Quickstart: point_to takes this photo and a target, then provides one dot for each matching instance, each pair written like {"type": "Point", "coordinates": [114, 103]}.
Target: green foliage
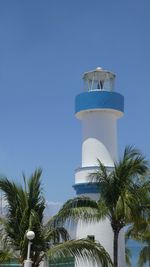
{"type": "Point", "coordinates": [25, 207]}
{"type": "Point", "coordinates": [25, 211]}
{"type": "Point", "coordinates": [141, 232]}
{"type": "Point", "coordinates": [128, 256]}
{"type": "Point", "coordinates": [123, 192]}
{"type": "Point", "coordinates": [74, 209]}
{"type": "Point", "coordinates": [82, 249]}
{"type": "Point", "coordinates": [5, 256]}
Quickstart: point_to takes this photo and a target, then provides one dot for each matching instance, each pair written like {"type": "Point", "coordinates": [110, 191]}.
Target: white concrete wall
{"type": "Point", "coordinates": [82, 175]}
{"type": "Point", "coordinates": [103, 233]}
{"type": "Point", "coordinates": [99, 138]}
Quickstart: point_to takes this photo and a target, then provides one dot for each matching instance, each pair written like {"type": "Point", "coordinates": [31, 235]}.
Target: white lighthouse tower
{"type": "Point", "coordinates": [99, 108]}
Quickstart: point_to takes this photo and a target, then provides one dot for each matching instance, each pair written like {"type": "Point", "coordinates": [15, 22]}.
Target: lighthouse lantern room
{"type": "Point", "coordinates": [99, 79]}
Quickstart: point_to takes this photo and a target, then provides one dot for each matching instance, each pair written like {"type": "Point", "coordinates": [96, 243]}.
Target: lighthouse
{"type": "Point", "coordinates": [98, 108]}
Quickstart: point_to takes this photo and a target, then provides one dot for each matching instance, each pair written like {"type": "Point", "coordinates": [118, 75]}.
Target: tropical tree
{"type": "Point", "coordinates": [128, 256]}
{"type": "Point", "coordinates": [141, 233]}
{"type": "Point", "coordinates": [25, 210]}
{"type": "Point", "coordinates": [144, 256]}
{"type": "Point", "coordinates": [121, 195]}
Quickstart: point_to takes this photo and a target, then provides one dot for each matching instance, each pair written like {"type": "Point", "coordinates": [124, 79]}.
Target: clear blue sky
{"type": "Point", "coordinates": [45, 46]}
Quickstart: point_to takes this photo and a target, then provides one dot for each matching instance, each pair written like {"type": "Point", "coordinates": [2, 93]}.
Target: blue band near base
{"type": "Point", "coordinates": [85, 188]}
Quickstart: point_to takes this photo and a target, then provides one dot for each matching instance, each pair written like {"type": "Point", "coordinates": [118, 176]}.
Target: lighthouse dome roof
{"type": "Point", "coordinates": [98, 74]}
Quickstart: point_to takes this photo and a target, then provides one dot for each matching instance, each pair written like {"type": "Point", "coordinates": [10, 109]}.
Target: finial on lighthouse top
{"type": "Point", "coordinates": [99, 79]}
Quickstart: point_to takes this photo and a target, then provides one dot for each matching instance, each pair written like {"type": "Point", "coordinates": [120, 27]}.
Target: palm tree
{"type": "Point", "coordinates": [141, 233]}
{"type": "Point", "coordinates": [144, 256]}
{"type": "Point", "coordinates": [25, 209]}
{"type": "Point", "coordinates": [121, 193]}
{"type": "Point", "coordinates": [128, 256]}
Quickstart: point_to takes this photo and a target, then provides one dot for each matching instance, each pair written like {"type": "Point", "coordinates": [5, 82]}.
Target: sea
{"type": "Point", "coordinates": [135, 248]}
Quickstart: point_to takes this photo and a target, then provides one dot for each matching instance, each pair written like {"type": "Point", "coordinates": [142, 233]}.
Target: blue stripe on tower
{"type": "Point", "coordinates": [85, 188]}
{"type": "Point", "coordinates": [99, 100]}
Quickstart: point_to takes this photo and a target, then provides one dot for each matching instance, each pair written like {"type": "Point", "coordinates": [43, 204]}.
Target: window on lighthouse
{"type": "Point", "coordinates": [91, 237]}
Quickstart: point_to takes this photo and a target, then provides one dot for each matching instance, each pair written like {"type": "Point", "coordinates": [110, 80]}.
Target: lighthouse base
{"type": "Point", "coordinates": [98, 231]}
{"type": "Point", "coordinates": [101, 232]}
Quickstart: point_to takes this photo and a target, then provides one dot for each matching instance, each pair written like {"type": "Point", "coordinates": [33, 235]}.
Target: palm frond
{"type": "Point", "coordinates": [132, 164]}
{"type": "Point", "coordinates": [35, 199]}
{"type": "Point", "coordinates": [103, 211]}
{"type": "Point", "coordinates": [54, 234]}
{"type": "Point", "coordinates": [100, 175]}
{"type": "Point", "coordinates": [82, 249]}
{"type": "Point", "coordinates": [144, 256]}
{"type": "Point", "coordinates": [5, 256]}
{"type": "Point", "coordinates": [128, 256]}
{"type": "Point", "coordinates": [74, 209]}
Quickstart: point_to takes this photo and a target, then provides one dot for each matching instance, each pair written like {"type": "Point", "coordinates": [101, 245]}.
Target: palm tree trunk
{"type": "Point", "coordinates": [115, 248]}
